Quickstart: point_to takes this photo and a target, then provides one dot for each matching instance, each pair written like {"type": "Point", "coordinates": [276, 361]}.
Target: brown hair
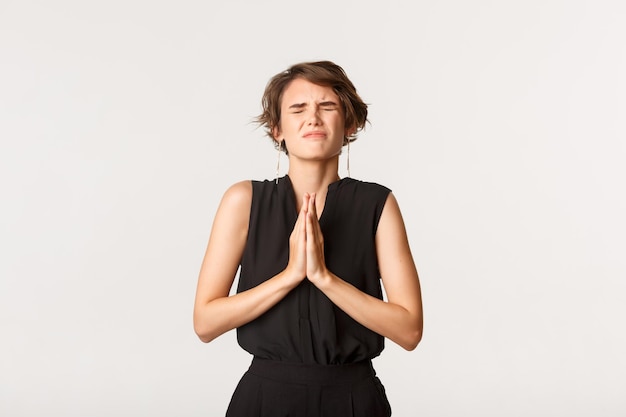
{"type": "Point", "coordinates": [324, 73]}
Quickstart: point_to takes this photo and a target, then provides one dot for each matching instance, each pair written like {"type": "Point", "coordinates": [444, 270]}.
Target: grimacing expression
{"type": "Point", "coordinates": [312, 121]}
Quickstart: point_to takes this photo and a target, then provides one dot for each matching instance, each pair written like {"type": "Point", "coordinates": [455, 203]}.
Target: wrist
{"type": "Point", "coordinates": [323, 279]}
{"type": "Point", "coordinates": [291, 278]}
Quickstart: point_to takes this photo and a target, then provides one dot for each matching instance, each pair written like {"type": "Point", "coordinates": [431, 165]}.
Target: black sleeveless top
{"type": "Point", "coordinates": [305, 326]}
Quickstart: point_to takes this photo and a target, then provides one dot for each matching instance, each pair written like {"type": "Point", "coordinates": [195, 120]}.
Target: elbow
{"type": "Point", "coordinates": [204, 336]}
{"type": "Point", "coordinates": [202, 331]}
{"type": "Point", "coordinates": [414, 335]}
{"type": "Point", "coordinates": [207, 326]}
{"type": "Point", "coordinates": [413, 339]}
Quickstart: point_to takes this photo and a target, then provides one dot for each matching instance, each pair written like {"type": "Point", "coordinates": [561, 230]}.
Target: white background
{"type": "Point", "coordinates": [499, 125]}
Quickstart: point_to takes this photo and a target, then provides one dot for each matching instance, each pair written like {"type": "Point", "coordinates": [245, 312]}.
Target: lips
{"type": "Point", "coordinates": [315, 134]}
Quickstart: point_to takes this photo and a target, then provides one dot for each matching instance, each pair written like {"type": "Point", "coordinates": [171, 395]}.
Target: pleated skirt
{"type": "Point", "coordinates": [277, 389]}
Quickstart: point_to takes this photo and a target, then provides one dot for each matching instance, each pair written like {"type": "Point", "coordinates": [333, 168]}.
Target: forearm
{"type": "Point", "coordinates": [392, 321]}
{"type": "Point", "coordinates": [222, 314]}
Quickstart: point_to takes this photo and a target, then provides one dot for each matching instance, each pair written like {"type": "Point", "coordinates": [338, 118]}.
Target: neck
{"type": "Point", "coordinates": [312, 177]}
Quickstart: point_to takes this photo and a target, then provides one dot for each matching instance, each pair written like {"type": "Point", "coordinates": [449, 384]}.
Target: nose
{"type": "Point", "coordinates": [314, 117]}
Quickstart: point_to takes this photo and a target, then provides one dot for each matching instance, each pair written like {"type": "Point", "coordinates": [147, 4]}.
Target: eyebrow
{"type": "Point", "coordinates": [303, 105]}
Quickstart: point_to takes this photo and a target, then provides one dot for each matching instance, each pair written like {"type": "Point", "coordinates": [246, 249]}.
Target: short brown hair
{"type": "Point", "coordinates": [324, 73]}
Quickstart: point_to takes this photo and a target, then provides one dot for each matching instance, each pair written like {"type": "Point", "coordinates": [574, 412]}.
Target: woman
{"type": "Point", "coordinates": [312, 249]}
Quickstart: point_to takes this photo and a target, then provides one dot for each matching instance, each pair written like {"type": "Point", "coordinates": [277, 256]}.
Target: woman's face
{"type": "Point", "coordinates": [312, 121]}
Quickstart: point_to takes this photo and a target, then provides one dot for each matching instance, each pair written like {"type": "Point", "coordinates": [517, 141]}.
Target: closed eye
{"type": "Point", "coordinates": [297, 108]}
{"type": "Point", "coordinates": [325, 106]}
{"type": "Point", "coordinates": [328, 106]}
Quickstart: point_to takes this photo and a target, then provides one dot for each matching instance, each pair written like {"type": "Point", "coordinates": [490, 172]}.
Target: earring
{"type": "Point", "coordinates": [348, 158]}
{"type": "Point", "coordinates": [279, 147]}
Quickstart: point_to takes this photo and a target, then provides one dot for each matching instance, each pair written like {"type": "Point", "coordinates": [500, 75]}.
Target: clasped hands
{"type": "Point", "coordinates": [306, 245]}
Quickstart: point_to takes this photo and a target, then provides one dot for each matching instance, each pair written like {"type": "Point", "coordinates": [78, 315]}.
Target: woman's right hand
{"type": "Point", "coordinates": [296, 268]}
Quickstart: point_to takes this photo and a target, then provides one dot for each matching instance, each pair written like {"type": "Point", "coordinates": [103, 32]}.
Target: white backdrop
{"type": "Point", "coordinates": [500, 127]}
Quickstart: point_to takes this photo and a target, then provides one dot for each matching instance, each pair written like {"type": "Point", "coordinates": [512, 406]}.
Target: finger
{"type": "Point", "coordinates": [301, 222]}
{"type": "Point", "coordinates": [312, 243]}
{"type": "Point", "coordinates": [312, 206]}
{"type": "Point", "coordinates": [313, 230]}
{"type": "Point", "coordinates": [299, 229]}
{"type": "Point", "coordinates": [304, 207]}
{"type": "Point", "coordinates": [305, 202]}
{"type": "Point", "coordinates": [314, 217]}
{"type": "Point", "coordinates": [309, 221]}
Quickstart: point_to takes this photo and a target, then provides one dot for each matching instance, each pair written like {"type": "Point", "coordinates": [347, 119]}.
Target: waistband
{"type": "Point", "coordinates": [294, 373]}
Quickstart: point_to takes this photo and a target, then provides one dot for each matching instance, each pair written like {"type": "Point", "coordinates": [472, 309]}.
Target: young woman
{"type": "Point", "coordinates": [313, 249]}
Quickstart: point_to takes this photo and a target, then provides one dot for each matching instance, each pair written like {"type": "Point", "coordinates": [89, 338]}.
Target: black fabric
{"type": "Point", "coordinates": [306, 327]}
{"type": "Point", "coordinates": [279, 389]}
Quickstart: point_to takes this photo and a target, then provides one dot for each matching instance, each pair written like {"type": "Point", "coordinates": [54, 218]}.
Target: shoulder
{"type": "Point", "coordinates": [238, 195]}
{"type": "Point", "coordinates": [367, 186]}
{"type": "Point", "coordinates": [363, 201]}
{"type": "Point", "coordinates": [234, 209]}
{"type": "Point", "coordinates": [368, 191]}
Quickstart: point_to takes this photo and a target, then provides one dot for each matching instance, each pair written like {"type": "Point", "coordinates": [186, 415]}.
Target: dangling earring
{"type": "Point", "coordinates": [348, 158]}
{"type": "Point", "coordinates": [280, 146]}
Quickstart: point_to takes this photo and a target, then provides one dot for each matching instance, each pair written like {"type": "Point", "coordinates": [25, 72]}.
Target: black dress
{"type": "Point", "coordinates": [306, 343]}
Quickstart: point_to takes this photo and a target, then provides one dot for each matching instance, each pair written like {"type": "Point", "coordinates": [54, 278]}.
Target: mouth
{"type": "Point", "coordinates": [316, 134]}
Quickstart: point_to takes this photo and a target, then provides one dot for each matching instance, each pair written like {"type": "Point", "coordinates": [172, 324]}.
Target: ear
{"type": "Point", "coordinates": [276, 134]}
{"type": "Point", "coordinates": [349, 131]}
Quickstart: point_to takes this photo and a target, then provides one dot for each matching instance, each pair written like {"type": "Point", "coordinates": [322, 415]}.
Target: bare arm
{"type": "Point", "coordinates": [399, 318]}
{"type": "Point", "coordinates": [215, 312]}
